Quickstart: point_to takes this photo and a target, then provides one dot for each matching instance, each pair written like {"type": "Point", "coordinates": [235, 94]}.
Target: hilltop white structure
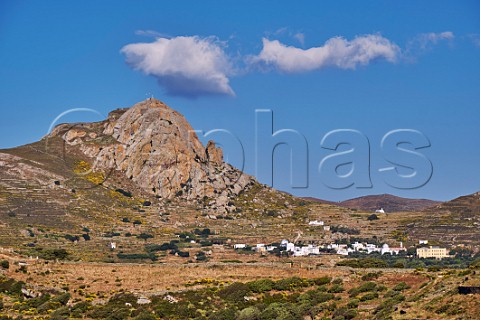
{"type": "Point", "coordinates": [381, 210]}
{"type": "Point", "coordinates": [316, 223]}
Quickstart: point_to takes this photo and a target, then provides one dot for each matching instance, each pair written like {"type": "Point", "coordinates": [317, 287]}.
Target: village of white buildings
{"type": "Point", "coordinates": [423, 250]}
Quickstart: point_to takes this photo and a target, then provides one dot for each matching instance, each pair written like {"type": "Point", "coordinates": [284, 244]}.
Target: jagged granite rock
{"type": "Point", "coordinates": [155, 147]}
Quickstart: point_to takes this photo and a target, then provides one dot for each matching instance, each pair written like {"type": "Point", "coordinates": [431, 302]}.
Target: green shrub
{"type": "Point", "coordinates": [369, 296]}
{"type": "Point", "coordinates": [250, 313]}
{"type": "Point", "coordinates": [363, 263]}
{"type": "Point", "coordinates": [475, 264]}
{"type": "Point", "coordinates": [386, 308]}
{"type": "Point", "coordinates": [145, 236]}
{"type": "Point", "coordinates": [336, 288]}
{"type": "Point", "coordinates": [53, 254]}
{"type": "Point", "coordinates": [62, 313]}
{"type": "Point", "coordinates": [225, 314]}
{"type": "Point", "coordinates": [79, 309]}
{"type": "Point", "coordinates": [366, 287]}
{"type": "Point", "coordinates": [321, 281]}
{"type": "Point", "coordinates": [352, 304]}
{"type": "Point", "coordinates": [371, 276]}
{"type": "Point", "coordinates": [316, 297]}
{"type": "Point", "coordinates": [62, 298]}
{"type": "Point", "coordinates": [262, 285]}
{"type": "Point", "coordinates": [280, 311]}
{"type": "Point", "coordinates": [401, 286]}
{"type": "Point", "coordinates": [344, 313]}
{"type": "Point", "coordinates": [234, 292]}
{"type": "Point", "coordinates": [10, 286]}
{"type": "Point", "coordinates": [291, 283]}
{"type": "Point", "coordinates": [5, 264]}
{"type": "Point", "coordinates": [71, 238]}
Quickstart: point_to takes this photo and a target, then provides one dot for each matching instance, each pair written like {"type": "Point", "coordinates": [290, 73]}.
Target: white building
{"type": "Point", "coordinates": [372, 248]}
{"type": "Point", "coordinates": [385, 249]}
{"type": "Point", "coordinates": [380, 210]}
{"type": "Point", "coordinates": [422, 241]}
{"type": "Point", "coordinates": [358, 246]}
{"type": "Point", "coordinates": [316, 223]}
{"type": "Point", "coordinates": [290, 247]}
{"type": "Point", "coordinates": [393, 250]}
{"type": "Point", "coordinates": [239, 246]}
{"type": "Point", "coordinates": [306, 251]}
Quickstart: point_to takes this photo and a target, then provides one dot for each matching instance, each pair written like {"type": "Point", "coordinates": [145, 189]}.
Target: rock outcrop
{"type": "Point", "coordinates": [156, 148]}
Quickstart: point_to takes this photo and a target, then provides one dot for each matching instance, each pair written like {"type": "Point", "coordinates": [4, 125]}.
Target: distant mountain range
{"type": "Point", "coordinates": [388, 202]}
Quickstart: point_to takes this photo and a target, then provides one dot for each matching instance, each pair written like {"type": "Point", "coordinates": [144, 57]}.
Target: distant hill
{"type": "Point", "coordinates": [454, 222]}
{"type": "Point", "coordinates": [388, 202]}
{"type": "Point", "coordinates": [467, 205]}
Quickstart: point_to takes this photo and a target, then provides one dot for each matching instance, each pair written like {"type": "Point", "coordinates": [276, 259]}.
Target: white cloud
{"type": "Point", "coordinates": [185, 66]}
{"type": "Point", "coordinates": [425, 40]}
{"type": "Point", "coordinates": [336, 52]}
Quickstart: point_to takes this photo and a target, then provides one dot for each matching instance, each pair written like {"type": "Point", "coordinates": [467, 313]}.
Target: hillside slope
{"type": "Point", "coordinates": [454, 222]}
{"type": "Point", "coordinates": [388, 202]}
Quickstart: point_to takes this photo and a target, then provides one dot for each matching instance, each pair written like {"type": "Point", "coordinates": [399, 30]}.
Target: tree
{"type": "Point", "coordinates": [144, 236]}
{"type": "Point", "coordinates": [372, 217]}
{"type": "Point", "coordinates": [5, 264]}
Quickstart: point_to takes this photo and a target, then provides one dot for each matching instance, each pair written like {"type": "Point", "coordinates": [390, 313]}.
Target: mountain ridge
{"type": "Point", "coordinates": [388, 202]}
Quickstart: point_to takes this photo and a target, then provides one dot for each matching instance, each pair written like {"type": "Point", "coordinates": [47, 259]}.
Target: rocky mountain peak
{"type": "Point", "coordinates": [155, 147]}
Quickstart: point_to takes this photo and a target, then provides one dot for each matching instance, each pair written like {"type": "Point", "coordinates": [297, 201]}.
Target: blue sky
{"type": "Point", "coordinates": [369, 66]}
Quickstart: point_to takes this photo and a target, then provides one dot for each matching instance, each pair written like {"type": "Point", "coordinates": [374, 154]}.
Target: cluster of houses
{"type": "Point", "coordinates": [345, 250]}
{"type": "Point", "coordinates": [308, 250]}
